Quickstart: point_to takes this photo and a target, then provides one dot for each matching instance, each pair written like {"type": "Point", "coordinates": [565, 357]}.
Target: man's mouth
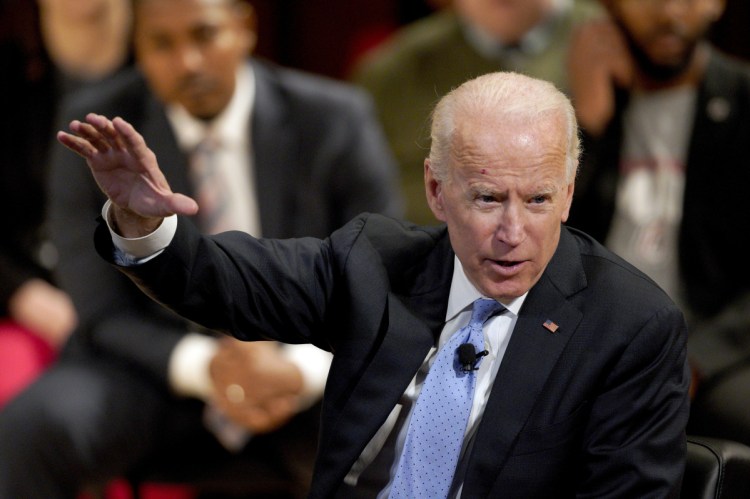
{"type": "Point", "coordinates": [506, 263]}
{"type": "Point", "coordinates": [507, 266]}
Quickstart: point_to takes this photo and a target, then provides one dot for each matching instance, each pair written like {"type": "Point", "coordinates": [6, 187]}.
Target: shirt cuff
{"type": "Point", "coordinates": [141, 249]}
{"type": "Point", "coordinates": [189, 364]}
{"type": "Point", "coordinates": [314, 364]}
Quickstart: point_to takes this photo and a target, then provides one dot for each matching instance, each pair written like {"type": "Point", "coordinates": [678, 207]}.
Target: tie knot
{"type": "Point", "coordinates": [482, 310]}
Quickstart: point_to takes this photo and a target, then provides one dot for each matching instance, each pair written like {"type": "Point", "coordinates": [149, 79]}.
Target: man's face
{"type": "Point", "coordinates": [503, 201]}
{"type": "Point", "coordinates": [190, 50]}
{"type": "Point", "coordinates": [508, 20]}
{"type": "Point", "coordinates": [663, 34]}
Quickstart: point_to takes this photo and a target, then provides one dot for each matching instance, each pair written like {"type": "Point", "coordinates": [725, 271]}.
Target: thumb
{"type": "Point", "coordinates": [182, 205]}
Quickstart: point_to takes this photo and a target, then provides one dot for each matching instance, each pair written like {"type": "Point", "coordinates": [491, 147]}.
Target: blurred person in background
{"type": "Point", "coordinates": [425, 60]}
{"type": "Point", "coordinates": [282, 153]}
{"type": "Point", "coordinates": [48, 50]}
{"type": "Point", "coordinates": [666, 121]}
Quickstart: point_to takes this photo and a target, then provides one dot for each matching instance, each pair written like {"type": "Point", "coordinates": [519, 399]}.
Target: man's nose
{"type": "Point", "coordinates": [190, 58]}
{"type": "Point", "coordinates": [511, 226]}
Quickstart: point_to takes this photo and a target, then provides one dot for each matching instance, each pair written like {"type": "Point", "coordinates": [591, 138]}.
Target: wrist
{"type": "Point", "coordinates": [129, 224]}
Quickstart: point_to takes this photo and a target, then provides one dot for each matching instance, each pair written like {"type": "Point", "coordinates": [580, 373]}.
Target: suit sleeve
{"type": "Point", "coordinates": [242, 286]}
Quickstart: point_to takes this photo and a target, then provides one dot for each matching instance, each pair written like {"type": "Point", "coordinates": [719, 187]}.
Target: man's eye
{"type": "Point", "coordinates": [486, 198]}
{"type": "Point", "coordinates": [539, 199]}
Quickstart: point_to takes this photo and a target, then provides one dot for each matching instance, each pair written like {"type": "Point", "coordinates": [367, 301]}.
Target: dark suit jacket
{"type": "Point", "coordinates": [597, 408]}
{"type": "Point", "coordinates": [319, 159]}
{"type": "Point", "coordinates": [714, 266]}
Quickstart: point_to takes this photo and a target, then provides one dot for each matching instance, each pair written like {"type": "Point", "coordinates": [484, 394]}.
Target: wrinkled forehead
{"type": "Point", "coordinates": [499, 132]}
{"type": "Point", "coordinates": [515, 143]}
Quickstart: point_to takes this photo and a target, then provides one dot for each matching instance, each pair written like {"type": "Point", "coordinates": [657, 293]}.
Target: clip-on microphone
{"type": "Point", "coordinates": [468, 357]}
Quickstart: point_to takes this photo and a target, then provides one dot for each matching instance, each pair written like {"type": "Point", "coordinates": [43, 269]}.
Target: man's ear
{"type": "Point", "coordinates": [434, 190]}
{"type": "Point", "coordinates": [568, 201]}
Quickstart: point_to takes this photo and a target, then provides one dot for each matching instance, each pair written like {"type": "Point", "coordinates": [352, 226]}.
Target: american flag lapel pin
{"type": "Point", "coordinates": [550, 326]}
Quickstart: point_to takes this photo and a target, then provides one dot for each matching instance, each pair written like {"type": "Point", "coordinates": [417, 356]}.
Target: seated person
{"type": "Point", "coordinates": [578, 360]}
{"type": "Point", "coordinates": [48, 50]}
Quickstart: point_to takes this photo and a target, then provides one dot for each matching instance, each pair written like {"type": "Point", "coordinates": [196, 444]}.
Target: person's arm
{"type": "Point", "coordinates": [598, 62]}
{"type": "Point", "coordinates": [126, 171]}
{"type": "Point", "coordinates": [115, 318]}
{"type": "Point", "coordinates": [216, 281]}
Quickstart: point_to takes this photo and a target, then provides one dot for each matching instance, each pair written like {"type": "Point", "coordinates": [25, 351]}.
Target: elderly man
{"type": "Point", "coordinates": [502, 353]}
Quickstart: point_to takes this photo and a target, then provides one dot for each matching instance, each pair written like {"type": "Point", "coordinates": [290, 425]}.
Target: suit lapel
{"type": "Point", "coordinates": [532, 353]}
{"type": "Point", "coordinates": [414, 319]}
{"type": "Point", "coordinates": [273, 141]}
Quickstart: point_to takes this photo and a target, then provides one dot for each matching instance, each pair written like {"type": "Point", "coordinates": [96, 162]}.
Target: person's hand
{"type": "Point", "coordinates": [599, 61]}
{"type": "Point", "coordinates": [126, 170]}
{"type": "Point", "coordinates": [254, 385]}
{"type": "Point", "coordinates": [43, 309]}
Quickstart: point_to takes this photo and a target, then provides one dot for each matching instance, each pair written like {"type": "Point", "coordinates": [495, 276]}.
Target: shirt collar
{"type": "Point", "coordinates": [463, 293]}
{"type": "Point", "coordinates": [231, 126]}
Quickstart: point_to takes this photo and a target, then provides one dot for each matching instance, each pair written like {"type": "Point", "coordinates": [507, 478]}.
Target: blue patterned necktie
{"type": "Point", "coordinates": [436, 430]}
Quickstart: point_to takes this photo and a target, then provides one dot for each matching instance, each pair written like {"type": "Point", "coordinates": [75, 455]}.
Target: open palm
{"type": "Point", "coordinates": [123, 166]}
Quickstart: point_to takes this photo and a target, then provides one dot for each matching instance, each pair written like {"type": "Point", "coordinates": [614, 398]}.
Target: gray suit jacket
{"type": "Point", "coordinates": [597, 408]}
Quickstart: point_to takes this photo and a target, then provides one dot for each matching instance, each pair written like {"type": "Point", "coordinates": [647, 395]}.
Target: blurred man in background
{"type": "Point", "coordinates": [666, 120]}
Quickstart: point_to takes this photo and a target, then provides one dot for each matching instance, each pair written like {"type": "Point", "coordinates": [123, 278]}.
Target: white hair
{"type": "Point", "coordinates": [501, 95]}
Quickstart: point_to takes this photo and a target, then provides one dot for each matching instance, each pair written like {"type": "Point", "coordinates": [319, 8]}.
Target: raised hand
{"type": "Point", "coordinates": [127, 171]}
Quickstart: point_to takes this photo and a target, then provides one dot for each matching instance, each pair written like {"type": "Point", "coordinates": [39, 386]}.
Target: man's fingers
{"type": "Point", "coordinates": [94, 136]}
{"type": "Point", "coordinates": [76, 144]}
{"type": "Point", "coordinates": [86, 132]}
{"type": "Point", "coordinates": [106, 129]}
{"type": "Point", "coordinates": [132, 139]}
